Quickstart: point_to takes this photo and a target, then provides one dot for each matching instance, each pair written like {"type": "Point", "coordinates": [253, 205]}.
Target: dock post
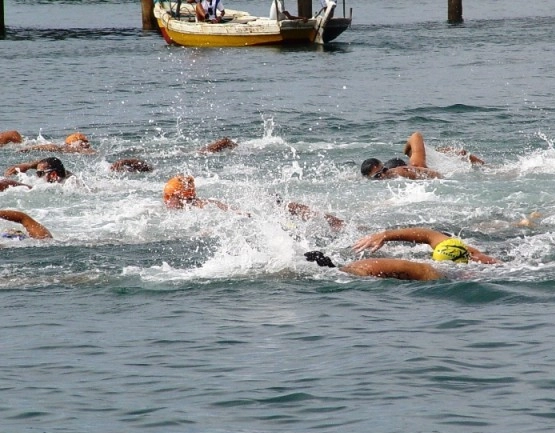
{"type": "Point", "coordinates": [305, 8]}
{"type": "Point", "coordinates": [454, 11]}
{"type": "Point", "coordinates": [149, 22]}
{"type": "Point", "coordinates": [2, 23]}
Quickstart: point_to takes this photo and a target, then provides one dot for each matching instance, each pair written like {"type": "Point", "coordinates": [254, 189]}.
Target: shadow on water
{"type": "Point", "coordinates": [33, 34]}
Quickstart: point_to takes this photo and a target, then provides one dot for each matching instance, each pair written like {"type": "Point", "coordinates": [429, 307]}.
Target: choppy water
{"type": "Point", "coordinates": [135, 318]}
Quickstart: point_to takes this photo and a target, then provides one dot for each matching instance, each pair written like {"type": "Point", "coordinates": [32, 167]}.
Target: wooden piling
{"type": "Point", "coordinates": [2, 22]}
{"type": "Point", "coordinates": [149, 22]}
{"type": "Point", "coordinates": [305, 8]}
{"type": "Point", "coordinates": [454, 11]}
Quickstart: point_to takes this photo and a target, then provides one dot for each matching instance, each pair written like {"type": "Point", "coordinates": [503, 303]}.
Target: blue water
{"type": "Point", "coordinates": [135, 318]}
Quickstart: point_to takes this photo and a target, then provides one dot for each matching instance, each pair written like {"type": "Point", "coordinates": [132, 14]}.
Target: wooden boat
{"type": "Point", "coordinates": [240, 29]}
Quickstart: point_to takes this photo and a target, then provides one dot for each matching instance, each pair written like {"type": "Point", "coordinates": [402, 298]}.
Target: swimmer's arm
{"type": "Point", "coordinates": [43, 148]}
{"type": "Point", "coordinates": [419, 235]}
{"type": "Point", "coordinates": [225, 207]}
{"type": "Point", "coordinates": [416, 150]}
{"type": "Point", "coordinates": [334, 222]}
{"type": "Point", "coordinates": [21, 168]}
{"type": "Point", "coordinates": [70, 149]}
{"type": "Point", "coordinates": [461, 152]}
{"type": "Point", "coordinates": [34, 228]}
{"type": "Point", "coordinates": [6, 183]}
{"type": "Point", "coordinates": [478, 256]}
{"type": "Point", "coordinates": [306, 213]}
{"type": "Point", "coordinates": [301, 210]}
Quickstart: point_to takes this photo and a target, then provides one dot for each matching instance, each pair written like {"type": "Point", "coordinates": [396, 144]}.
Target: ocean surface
{"type": "Point", "coordinates": [135, 318]}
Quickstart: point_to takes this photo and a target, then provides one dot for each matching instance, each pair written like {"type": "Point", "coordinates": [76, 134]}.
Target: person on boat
{"type": "Point", "coordinates": [52, 169]}
{"type": "Point", "coordinates": [74, 143]}
{"type": "Point", "coordinates": [206, 11]}
{"type": "Point", "coordinates": [326, 3]}
{"type": "Point", "coordinates": [34, 229]}
{"type": "Point", "coordinates": [444, 248]}
{"type": "Point", "coordinates": [7, 137]}
{"type": "Point", "coordinates": [131, 165]}
{"type": "Point", "coordinates": [416, 168]}
{"type": "Point", "coordinates": [180, 192]}
{"type": "Point", "coordinates": [281, 14]}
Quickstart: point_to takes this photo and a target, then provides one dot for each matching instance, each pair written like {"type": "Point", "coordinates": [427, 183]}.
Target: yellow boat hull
{"type": "Point", "coordinates": [241, 30]}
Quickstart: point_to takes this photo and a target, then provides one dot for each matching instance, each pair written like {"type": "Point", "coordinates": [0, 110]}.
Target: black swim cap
{"type": "Point", "coordinates": [56, 165]}
{"type": "Point", "coordinates": [394, 162]}
{"type": "Point", "coordinates": [368, 165]}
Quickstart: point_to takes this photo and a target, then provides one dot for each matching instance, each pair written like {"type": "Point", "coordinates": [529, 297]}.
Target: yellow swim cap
{"type": "Point", "coordinates": [451, 249]}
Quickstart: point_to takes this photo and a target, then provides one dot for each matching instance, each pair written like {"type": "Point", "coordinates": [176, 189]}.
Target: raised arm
{"type": "Point", "coordinates": [419, 235]}
{"type": "Point", "coordinates": [416, 150]}
{"type": "Point", "coordinates": [21, 168]}
{"type": "Point", "coordinates": [34, 228]}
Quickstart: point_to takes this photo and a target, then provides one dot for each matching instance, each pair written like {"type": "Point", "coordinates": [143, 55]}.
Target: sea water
{"type": "Point", "coordinates": [136, 318]}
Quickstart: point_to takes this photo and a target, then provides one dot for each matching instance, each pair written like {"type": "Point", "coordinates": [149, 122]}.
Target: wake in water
{"type": "Point", "coordinates": [99, 207]}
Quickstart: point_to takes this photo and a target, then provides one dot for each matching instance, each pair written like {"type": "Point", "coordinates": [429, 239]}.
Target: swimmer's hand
{"type": "Point", "coordinates": [374, 242]}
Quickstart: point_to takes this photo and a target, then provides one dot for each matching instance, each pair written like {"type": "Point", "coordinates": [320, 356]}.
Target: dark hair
{"type": "Point", "coordinates": [56, 165]}
{"type": "Point", "coordinates": [368, 165]}
{"type": "Point", "coordinates": [394, 162]}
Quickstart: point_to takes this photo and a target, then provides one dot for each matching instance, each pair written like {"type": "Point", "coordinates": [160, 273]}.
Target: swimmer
{"type": "Point", "coordinates": [51, 169]}
{"type": "Point", "coordinates": [180, 191]}
{"type": "Point", "coordinates": [443, 248]}
{"type": "Point", "coordinates": [7, 137]}
{"type": "Point", "coordinates": [74, 143]}
{"type": "Point", "coordinates": [218, 146]}
{"type": "Point", "coordinates": [530, 220]}
{"type": "Point", "coordinates": [34, 229]}
{"type": "Point", "coordinates": [131, 165]}
{"type": "Point", "coordinates": [416, 168]}
{"type": "Point", "coordinates": [303, 211]}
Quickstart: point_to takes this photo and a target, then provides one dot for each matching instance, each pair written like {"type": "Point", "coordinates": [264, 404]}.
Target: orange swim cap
{"type": "Point", "coordinates": [76, 138]}
{"type": "Point", "coordinates": [182, 187]}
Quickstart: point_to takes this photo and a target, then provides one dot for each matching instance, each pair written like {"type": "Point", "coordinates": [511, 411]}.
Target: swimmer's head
{"type": "Point", "coordinates": [394, 162]}
{"type": "Point", "coordinates": [179, 188]}
{"type": "Point", "coordinates": [52, 169]}
{"type": "Point", "coordinates": [14, 234]}
{"type": "Point", "coordinates": [77, 140]}
{"type": "Point", "coordinates": [451, 249]}
{"type": "Point", "coordinates": [370, 167]}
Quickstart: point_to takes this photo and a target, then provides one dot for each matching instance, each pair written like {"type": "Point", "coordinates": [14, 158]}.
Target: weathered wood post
{"type": "Point", "coordinates": [2, 23]}
{"type": "Point", "coordinates": [305, 8]}
{"type": "Point", "coordinates": [454, 11]}
{"type": "Point", "coordinates": [149, 22]}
